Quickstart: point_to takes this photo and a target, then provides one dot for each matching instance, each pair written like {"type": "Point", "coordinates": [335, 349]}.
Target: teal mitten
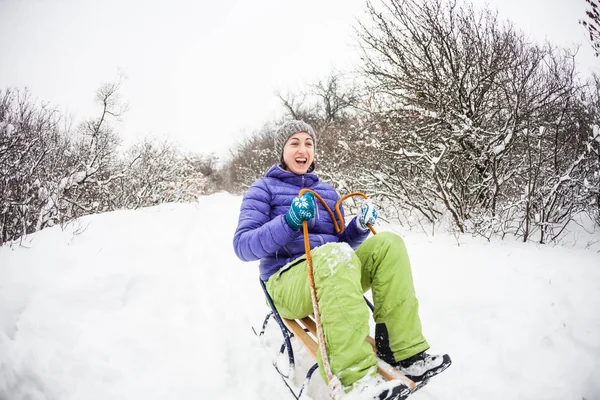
{"type": "Point", "coordinates": [302, 208]}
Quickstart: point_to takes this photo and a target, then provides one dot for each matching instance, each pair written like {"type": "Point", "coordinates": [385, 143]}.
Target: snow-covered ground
{"type": "Point", "coordinates": [153, 304]}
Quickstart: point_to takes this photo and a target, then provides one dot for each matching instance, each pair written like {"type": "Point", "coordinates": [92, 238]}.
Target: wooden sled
{"type": "Point", "coordinates": [305, 331]}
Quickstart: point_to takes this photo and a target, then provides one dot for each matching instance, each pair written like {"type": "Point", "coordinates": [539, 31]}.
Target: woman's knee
{"type": "Point", "coordinates": [335, 258]}
{"type": "Point", "coordinates": [388, 238]}
{"type": "Point", "coordinates": [384, 248]}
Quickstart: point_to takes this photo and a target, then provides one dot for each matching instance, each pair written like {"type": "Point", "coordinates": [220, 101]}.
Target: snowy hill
{"type": "Point", "coordinates": [153, 304]}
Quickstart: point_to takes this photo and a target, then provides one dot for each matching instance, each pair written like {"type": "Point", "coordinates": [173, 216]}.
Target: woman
{"type": "Point", "coordinates": [345, 266]}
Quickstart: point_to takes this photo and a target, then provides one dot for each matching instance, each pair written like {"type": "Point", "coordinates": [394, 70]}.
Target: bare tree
{"type": "Point", "coordinates": [439, 63]}
{"type": "Point", "coordinates": [29, 140]}
{"type": "Point", "coordinates": [84, 184]}
{"type": "Point", "coordinates": [297, 106]}
{"type": "Point", "coordinates": [151, 174]}
{"type": "Point", "coordinates": [461, 94]}
{"type": "Point", "coordinates": [593, 26]}
{"type": "Point", "coordinates": [335, 98]}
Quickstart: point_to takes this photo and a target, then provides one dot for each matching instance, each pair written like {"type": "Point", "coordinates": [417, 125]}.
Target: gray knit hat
{"type": "Point", "coordinates": [283, 133]}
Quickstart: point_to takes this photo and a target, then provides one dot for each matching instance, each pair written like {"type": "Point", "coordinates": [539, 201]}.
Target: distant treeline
{"type": "Point", "coordinates": [452, 114]}
{"type": "Point", "coordinates": [51, 174]}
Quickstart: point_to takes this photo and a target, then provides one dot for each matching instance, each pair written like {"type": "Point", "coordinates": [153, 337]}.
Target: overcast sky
{"type": "Point", "coordinates": [203, 73]}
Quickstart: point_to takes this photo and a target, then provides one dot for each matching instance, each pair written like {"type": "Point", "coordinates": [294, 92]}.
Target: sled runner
{"type": "Point", "coordinates": [286, 346]}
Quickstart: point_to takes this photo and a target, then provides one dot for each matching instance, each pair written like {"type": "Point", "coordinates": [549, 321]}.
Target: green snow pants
{"type": "Point", "coordinates": [342, 276]}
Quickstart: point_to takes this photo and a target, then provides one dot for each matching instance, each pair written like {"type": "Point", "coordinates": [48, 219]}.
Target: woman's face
{"type": "Point", "coordinates": [299, 153]}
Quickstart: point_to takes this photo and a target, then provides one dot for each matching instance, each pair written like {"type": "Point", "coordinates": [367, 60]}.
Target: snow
{"type": "Point", "coordinates": [8, 128]}
{"type": "Point", "coordinates": [153, 304]}
{"type": "Point", "coordinates": [335, 255]}
{"type": "Point", "coordinates": [502, 146]}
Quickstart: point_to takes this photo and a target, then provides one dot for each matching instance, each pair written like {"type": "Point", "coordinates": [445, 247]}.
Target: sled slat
{"type": "Point", "coordinates": [301, 334]}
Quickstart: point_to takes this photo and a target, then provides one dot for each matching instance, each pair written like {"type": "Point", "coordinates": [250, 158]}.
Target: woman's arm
{"type": "Point", "coordinates": [353, 235]}
{"type": "Point", "coordinates": [257, 235]}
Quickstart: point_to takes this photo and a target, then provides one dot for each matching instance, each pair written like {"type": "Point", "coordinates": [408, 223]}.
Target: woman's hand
{"type": "Point", "coordinates": [366, 215]}
{"type": "Point", "coordinates": [302, 208]}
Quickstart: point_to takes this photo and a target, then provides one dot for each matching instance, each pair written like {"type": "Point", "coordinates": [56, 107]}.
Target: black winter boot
{"type": "Point", "coordinates": [423, 366]}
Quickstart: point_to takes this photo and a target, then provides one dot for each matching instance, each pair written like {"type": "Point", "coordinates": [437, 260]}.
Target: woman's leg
{"type": "Point", "coordinates": [344, 314]}
{"type": "Point", "coordinates": [386, 270]}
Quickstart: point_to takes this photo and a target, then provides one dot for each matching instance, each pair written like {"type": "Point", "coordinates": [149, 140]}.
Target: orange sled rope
{"type": "Point", "coordinates": [334, 384]}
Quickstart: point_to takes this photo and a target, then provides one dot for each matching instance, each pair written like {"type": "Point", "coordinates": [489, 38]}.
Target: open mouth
{"type": "Point", "coordinates": [301, 161]}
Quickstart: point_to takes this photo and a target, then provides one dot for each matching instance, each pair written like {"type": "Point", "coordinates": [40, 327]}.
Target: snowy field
{"type": "Point", "coordinates": [153, 304]}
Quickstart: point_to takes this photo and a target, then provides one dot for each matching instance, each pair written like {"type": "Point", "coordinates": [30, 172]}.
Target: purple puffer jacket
{"type": "Point", "coordinates": [262, 233]}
